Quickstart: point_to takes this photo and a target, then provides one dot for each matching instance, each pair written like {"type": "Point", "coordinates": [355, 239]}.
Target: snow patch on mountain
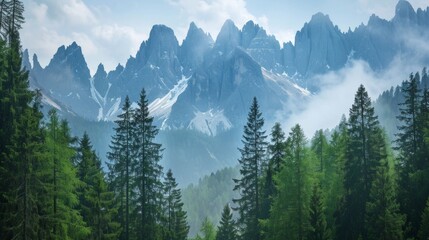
{"type": "Point", "coordinates": [210, 122]}
{"type": "Point", "coordinates": [48, 101]}
{"type": "Point", "coordinates": [284, 83]}
{"type": "Point", "coordinates": [160, 108]}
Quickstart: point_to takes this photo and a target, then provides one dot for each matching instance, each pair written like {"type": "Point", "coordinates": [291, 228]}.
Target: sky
{"type": "Point", "coordinates": [110, 31]}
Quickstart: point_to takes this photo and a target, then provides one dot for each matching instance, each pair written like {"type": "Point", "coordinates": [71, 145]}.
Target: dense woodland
{"type": "Point", "coordinates": [348, 184]}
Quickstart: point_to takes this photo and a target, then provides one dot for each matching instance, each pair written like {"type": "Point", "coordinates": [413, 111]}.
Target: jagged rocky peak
{"type": "Point", "coordinates": [36, 64]}
{"type": "Point", "coordinates": [26, 60]}
{"type": "Point", "coordinates": [289, 58]}
{"type": "Point", "coordinates": [228, 38]}
{"type": "Point", "coordinates": [73, 59]}
{"type": "Point", "coordinates": [100, 79]}
{"type": "Point", "coordinates": [113, 75]}
{"type": "Point", "coordinates": [249, 31]}
{"type": "Point", "coordinates": [319, 46]}
{"type": "Point", "coordinates": [162, 44]}
{"type": "Point", "coordinates": [264, 48]}
{"type": "Point", "coordinates": [404, 13]}
{"type": "Point", "coordinates": [194, 47]}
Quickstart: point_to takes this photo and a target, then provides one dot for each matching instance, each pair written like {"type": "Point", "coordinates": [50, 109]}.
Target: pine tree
{"type": "Point", "coordinates": [424, 224]}
{"type": "Point", "coordinates": [120, 167]}
{"type": "Point", "coordinates": [289, 213]}
{"type": "Point", "coordinates": [176, 227]}
{"type": "Point", "coordinates": [318, 228]}
{"type": "Point", "coordinates": [383, 219]}
{"type": "Point", "coordinates": [96, 203]}
{"type": "Point", "coordinates": [365, 149]}
{"type": "Point", "coordinates": [147, 171]}
{"type": "Point", "coordinates": [226, 229]}
{"type": "Point", "coordinates": [252, 156]}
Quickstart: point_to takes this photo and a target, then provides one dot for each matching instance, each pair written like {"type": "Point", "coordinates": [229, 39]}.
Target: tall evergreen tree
{"type": "Point", "coordinates": [147, 171]}
{"type": "Point", "coordinates": [318, 228]}
{"type": "Point", "coordinates": [412, 153]}
{"type": "Point", "coordinates": [319, 145]}
{"type": "Point", "coordinates": [252, 156]}
{"type": "Point", "coordinates": [21, 139]}
{"type": "Point", "coordinates": [334, 173]}
{"type": "Point", "coordinates": [96, 202]}
{"type": "Point", "coordinates": [19, 214]}
{"type": "Point", "coordinates": [62, 183]}
{"type": "Point", "coordinates": [276, 151]}
{"type": "Point", "coordinates": [365, 149]}
{"type": "Point", "coordinates": [176, 227]}
{"type": "Point", "coordinates": [289, 213]}
{"type": "Point", "coordinates": [383, 219]}
{"type": "Point", "coordinates": [226, 229]}
{"type": "Point", "coordinates": [277, 148]}
{"type": "Point", "coordinates": [120, 168]}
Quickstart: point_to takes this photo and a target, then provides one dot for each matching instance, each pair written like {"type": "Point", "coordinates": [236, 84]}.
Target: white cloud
{"type": "Point", "coordinates": [52, 23]}
{"type": "Point", "coordinates": [210, 15]}
{"type": "Point", "coordinates": [325, 109]}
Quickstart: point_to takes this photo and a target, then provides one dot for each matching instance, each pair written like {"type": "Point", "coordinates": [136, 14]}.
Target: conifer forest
{"type": "Point", "coordinates": [351, 182]}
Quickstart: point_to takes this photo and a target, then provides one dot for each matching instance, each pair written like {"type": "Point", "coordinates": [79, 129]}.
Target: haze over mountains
{"type": "Point", "coordinates": [203, 87]}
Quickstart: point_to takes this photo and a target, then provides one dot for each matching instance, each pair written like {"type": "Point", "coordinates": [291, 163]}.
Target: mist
{"type": "Point", "coordinates": [325, 108]}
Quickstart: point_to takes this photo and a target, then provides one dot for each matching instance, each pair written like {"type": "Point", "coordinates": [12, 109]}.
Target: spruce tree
{"type": "Point", "coordinates": [147, 171]}
{"type": "Point", "coordinates": [289, 213]}
{"type": "Point", "coordinates": [121, 177]}
{"type": "Point", "coordinates": [276, 151]}
{"type": "Point", "coordinates": [96, 202]}
{"type": "Point", "coordinates": [318, 228]}
{"type": "Point", "coordinates": [365, 149]}
{"type": "Point", "coordinates": [412, 153]}
{"type": "Point", "coordinates": [20, 217]}
{"type": "Point", "coordinates": [176, 227]}
{"type": "Point", "coordinates": [383, 219]}
{"type": "Point", "coordinates": [252, 156]}
{"type": "Point", "coordinates": [226, 229]}
{"type": "Point", "coordinates": [276, 148]}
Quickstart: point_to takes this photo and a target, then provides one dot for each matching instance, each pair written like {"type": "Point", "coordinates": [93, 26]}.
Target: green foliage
{"type": "Point", "coordinates": [318, 229]}
{"type": "Point", "coordinates": [412, 145]}
{"type": "Point", "coordinates": [383, 219]}
{"type": "Point", "coordinates": [147, 172]}
{"type": "Point", "coordinates": [208, 197]}
{"type": "Point", "coordinates": [252, 156]}
{"type": "Point", "coordinates": [62, 183]}
{"type": "Point", "coordinates": [226, 229]}
{"type": "Point", "coordinates": [120, 174]}
{"type": "Point", "coordinates": [319, 145]}
{"type": "Point", "coordinates": [96, 202]}
{"type": "Point", "coordinates": [290, 210]}
{"type": "Point", "coordinates": [365, 149]}
{"type": "Point", "coordinates": [207, 230]}
{"type": "Point", "coordinates": [175, 225]}
{"type": "Point", "coordinates": [424, 224]}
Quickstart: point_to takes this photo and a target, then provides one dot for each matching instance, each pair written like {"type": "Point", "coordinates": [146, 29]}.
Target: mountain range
{"type": "Point", "coordinates": [203, 87]}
